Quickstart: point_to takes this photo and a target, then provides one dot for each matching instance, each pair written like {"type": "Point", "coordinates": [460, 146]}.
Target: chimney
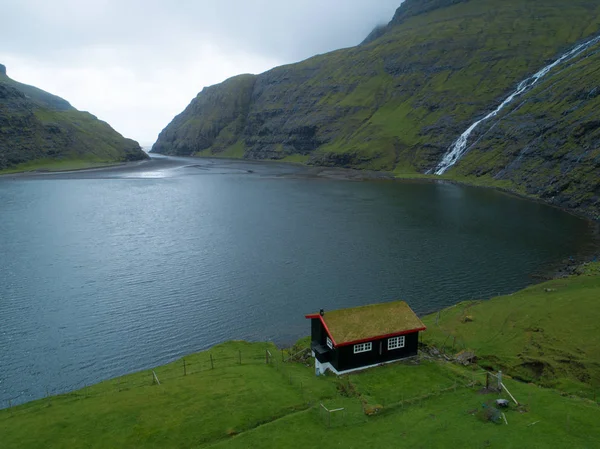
{"type": "Point", "coordinates": [322, 312]}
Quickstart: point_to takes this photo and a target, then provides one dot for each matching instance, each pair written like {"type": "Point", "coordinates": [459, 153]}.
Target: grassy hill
{"type": "Point", "coordinates": [399, 100]}
{"type": "Point", "coordinates": [41, 130]}
{"type": "Point", "coordinates": [245, 395]}
{"type": "Point", "coordinates": [545, 334]}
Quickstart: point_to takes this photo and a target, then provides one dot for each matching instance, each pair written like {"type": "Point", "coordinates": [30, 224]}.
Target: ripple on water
{"type": "Point", "coordinates": [109, 276]}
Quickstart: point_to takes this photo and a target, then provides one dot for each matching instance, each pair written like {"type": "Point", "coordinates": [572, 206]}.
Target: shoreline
{"type": "Point", "coordinates": [356, 174]}
{"type": "Point", "coordinates": [298, 170]}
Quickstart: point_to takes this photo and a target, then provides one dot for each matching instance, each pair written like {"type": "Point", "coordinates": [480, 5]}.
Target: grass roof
{"type": "Point", "coordinates": [359, 323]}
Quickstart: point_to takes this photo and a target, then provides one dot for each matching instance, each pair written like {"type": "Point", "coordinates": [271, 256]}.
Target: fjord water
{"type": "Point", "coordinates": [103, 273]}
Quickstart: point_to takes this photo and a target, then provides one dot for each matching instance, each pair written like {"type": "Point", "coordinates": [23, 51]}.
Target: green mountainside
{"type": "Point", "coordinates": [37, 128]}
{"type": "Point", "coordinates": [399, 100]}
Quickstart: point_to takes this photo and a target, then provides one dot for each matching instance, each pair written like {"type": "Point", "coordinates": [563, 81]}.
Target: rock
{"type": "Point", "coordinates": [465, 357]}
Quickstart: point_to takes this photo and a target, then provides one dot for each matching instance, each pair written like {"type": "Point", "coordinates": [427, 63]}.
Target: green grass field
{"type": "Point", "coordinates": [230, 396]}
{"type": "Point", "coordinates": [546, 333]}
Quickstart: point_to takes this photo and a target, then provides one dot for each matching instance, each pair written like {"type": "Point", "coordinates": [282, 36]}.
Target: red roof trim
{"type": "Point", "coordinates": [317, 315]}
{"type": "Point", "coordinates": [395, 334]}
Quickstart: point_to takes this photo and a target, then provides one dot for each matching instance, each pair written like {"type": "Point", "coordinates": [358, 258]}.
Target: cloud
{"type": "Point", "coordinates": [138, 63]}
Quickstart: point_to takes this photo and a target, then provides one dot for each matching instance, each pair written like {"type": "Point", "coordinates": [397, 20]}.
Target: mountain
{"type": "Point", "coordinates": [401, 99]}
{"type": "Point", "coordinates": [38, 126]}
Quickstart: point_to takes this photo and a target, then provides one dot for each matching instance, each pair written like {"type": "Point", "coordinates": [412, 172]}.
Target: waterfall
{"type": "Point", "coordinates": [459, 148]}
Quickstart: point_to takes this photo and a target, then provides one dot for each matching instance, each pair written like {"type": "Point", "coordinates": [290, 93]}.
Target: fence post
{"type": "Point", "coordinates": [267, 356]}
{"type": "Point", "coordinates": [184, 368]}
{"type": "Point", "coordinates": [500, 380]}
{"type": "Point", "coordinates": [212, 365]}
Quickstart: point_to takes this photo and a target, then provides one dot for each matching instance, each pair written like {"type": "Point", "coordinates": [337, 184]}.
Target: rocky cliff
{"type": "Point", "coordinates": [402, 97]}
{"type": "Point", "coordinates": [38, 126]}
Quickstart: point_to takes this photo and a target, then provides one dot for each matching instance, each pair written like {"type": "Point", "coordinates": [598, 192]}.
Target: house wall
{"type": "Point", "coordinates": [319, 337]}
{"type": "Point", "coordinates": [344, 357]}
{"type": "Point", "coordinates": [317, 333]}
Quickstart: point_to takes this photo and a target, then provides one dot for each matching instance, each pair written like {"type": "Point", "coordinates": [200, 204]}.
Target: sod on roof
{"type": "Point", "coordinates": [365, 322]}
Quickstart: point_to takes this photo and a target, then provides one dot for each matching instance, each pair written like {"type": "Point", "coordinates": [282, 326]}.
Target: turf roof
{"type": "Point", "coordinates": [360, 323]}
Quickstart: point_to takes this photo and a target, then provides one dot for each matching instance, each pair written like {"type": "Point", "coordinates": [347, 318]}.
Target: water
{"type": "Point", "coordinates": [104, 273]}
{"type": "Point", "coordinates": [459, 148]}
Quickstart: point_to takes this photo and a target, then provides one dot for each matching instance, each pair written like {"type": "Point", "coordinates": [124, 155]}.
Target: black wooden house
{"type": "Point", "coordinates": [361, 337]}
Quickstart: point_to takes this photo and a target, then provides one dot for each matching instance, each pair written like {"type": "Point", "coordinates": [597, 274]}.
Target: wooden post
{"type": "Point", "coordinates": [511, 396]}
{"type": "Point", "coordinates": [184, 368]}
{"type": "Point", "coordinates": [212, 365]}
{"type": "Point", "coordinates": [267, 356]}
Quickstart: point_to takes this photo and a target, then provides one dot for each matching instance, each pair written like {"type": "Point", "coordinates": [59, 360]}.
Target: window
{"type": "Point", "coordinates": [363, 347]}
{"type": "Point", "coordinates": [329, 343]}
{"type": "Point", "coordinates": [395, 342]}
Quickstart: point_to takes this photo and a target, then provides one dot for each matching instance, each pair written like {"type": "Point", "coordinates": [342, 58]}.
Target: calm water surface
{"type": "Point", "coordinates": [104, 273]}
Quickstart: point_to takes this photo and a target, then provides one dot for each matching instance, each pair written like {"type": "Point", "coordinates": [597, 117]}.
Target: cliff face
{"type": "Point", "coordinates": [400, 99]}
{"type": "Point", "coordinates": [35, 125]}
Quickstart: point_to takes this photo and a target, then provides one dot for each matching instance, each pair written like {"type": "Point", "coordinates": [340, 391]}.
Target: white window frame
{"type": "Point", "coordinates": [396, 342]}
{"type": "Point", "coordinates": [363, 347]}
{"type": "Point", "coordinates": [329, 343]}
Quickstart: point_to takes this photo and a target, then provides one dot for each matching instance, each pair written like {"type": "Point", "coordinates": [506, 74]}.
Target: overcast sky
{"type": "Point", "coordinates": [137, 63]}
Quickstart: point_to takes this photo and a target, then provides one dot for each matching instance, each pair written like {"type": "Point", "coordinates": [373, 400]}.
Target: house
{"type": "Point", "coordinates": [361, 337]}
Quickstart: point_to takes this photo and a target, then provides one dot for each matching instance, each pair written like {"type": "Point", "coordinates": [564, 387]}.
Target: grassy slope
{"type": "Point", "coordinates": [278, 405]}
{"type": "Point", "coordinates": [432, 404]}
{"type": "Point", "coordinates": [399, 101]}
{"type": "Point", "coordinates": [546, 333]}
{"type": "Point", "coordinates": [40, 130]}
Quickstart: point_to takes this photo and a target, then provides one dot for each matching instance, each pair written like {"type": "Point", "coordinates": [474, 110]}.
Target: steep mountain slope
{"type": "Point", "coordinates": [400, 99]}
{"type": "Point", "coordinates": [35, 125]}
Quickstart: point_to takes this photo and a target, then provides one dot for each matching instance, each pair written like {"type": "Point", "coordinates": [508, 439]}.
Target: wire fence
{"type": "Point", "coordinates": [190, 366]}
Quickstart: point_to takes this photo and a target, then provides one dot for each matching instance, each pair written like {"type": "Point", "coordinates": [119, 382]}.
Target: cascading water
{"type": "Point", "coordinates": [459, 148]}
